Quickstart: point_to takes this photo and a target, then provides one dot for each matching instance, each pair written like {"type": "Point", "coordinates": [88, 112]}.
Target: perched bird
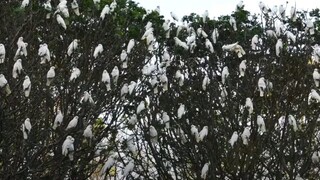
{"type": "Point", "coordinates": [133, 119]}
{"type": "Point", "coordinates": [166, 119]}
{"type": "Point", "coordinates": [233, 23]}
{"type": "Point", "coordinates": [58, 120]}
{"type": "Point", "coordinates": [128, 168]}
{"type": "Point", "coordinates": [316, 77]}
{"type": "Point", "coordinates": [205, 15]}
{"type": "Point", "coordinates": [201, 32]}
{"type": "Point", "coordinates": [106, 79]}
{"type": "Point", "coordinates": [4, 85]}
{"type": "Point", "coordinates": [181, 111]}
{"type": "Point", "coordinates": [124, 91]}
{"type": "Point", "coordinates": [2, 53]}
{"type": "Point", "coordinates": [215, 35]}
{"type": "Point", "coordinates": [293, 14]}
{"type": "Point", "coordinates": [63, 8]}
{"type": "Point", "coordinates": [130, 45]}
{"type": "Point", "coordinates": [245, 135]}
{"type": "Point", "coordinates": [105, 11]}
{"type": "Point", "coordinates": [75, 7]}
{"type": "Point", "coordinates": [315, 157]}
{"type": "Point", "coordinates": [44, 53]}
{"type": "Point", "coordinates": [131, 87]}
{"type": "Point", "coordinates": [235, 47]}
{"type": "Point", "coordinates": [180, 77]}
{"type": "Point", "coordinates": [27, 125]}
{"type": "Point", "coordinates": [224, 74]}
{"type": "Point", "coordinates": [291, 36]}
{"type": "Point", "coordinates": [22, 48]}
{"type": "Point", "coordinates": [233, 138]}
{"type": "Point", "coordinates": [282, 11]}
{"type": "Point", "coordinates": [95, 2]}
{"type": "Point", "coordinates": [242, 67]}
{"type": "Point", "coordinates": [107, 165]}
{"type": "Point", "coordinates": [309, 27]}
{"type": "Point", "coordinates": [47, 6]}
{"type": "Point", "coordinates": [86, 97]}
{"type": "Point", "coordinates": [115, 74]}
{"type": "Point", "coordinates": [174, 16]}
{"type": "Point", "coordinates": [68, 147]}
{"type": "Point", "coordinates": [249, 105]}
{"type": "Point", "coordinates": [73, 123]}
{"type": "Point", "coordinates": [204, 170]}
{"type": "Point", "coordinates": [240, 5]}
{"type": "Point", "coordinates": [24, 3]}
{"type": "Point", "coordinates": [72, 47]}
{"type": "Point", "coordinates": [270, 33]}
{"type": "Point", "coordinates": [123, 59]}
{"type": "Point", "coordinates": [262, 86]}
{"type": "Point", "coordinates": [113, 5]}
{"type": "Point", "coordinates": [209, 45]}
{"type": "Point", "coordinates": [24, 132]}
{"type": "Point", "coordinates": [261, 124]}
{"type": "Point", "coordinates": [313, 96]}
{"type": "Point", "coordinates": [153, 134]}
{"type": "Point", "coordinates": [203, 133]}
{"type": "Point", "coordinates": [26, 86]}
{"type": "Point", "coordinates": [50, 75]}
{"type": "Point", "coordinates": [61, 21]}
{"type": "Point", "coordinates": [274, 10]}
{"type": "Point", "coordinates": [164, 82]}
{"type": "Point", "coordinates": [88, 132]}
{"type": "Point", "coordinates": [279, 47]}
{"type": "Point", "coordinates": [195, 132]}
{"type": "Point", "coordinates": [98, 50]}
{"type": "Point", "coordinates": [17, 68]}
{"type": "Point", "coordinates": [205, 82]}
{"type": "Point", "coordinates": [293, 122]}
{"type": "Point", "coordinates": [74, 74]}
{"type": "Point", "coordinates": [263, 7]}
{"type": "Point", "coordinates": [141, 107]}
{"type": "Point", "coordinates": [254, 42]}
{"type": "Point", "coordinates": [180, 43]}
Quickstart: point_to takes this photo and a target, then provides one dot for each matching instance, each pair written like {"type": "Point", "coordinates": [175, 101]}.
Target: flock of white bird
{"type": "Point", "coordinates": [188, 44]}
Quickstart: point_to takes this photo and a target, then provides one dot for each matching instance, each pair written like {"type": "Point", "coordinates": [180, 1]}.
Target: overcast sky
{"type": "Point", "coordinates": [218, 7]}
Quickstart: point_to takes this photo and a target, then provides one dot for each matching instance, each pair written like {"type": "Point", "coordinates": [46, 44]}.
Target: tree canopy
{"type": "Point", "coordinates": [106, 89]}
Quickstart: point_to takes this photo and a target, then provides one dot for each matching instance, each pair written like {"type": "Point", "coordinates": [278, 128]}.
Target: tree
{"type": "Point", "coordinates": [177, 101]}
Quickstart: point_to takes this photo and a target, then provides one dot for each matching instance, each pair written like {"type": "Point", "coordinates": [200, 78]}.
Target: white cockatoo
{"type": "Point", "coordinates": [131, 87]}
{"type": "Point", "coordinates": [279, 47]}
{"type": "Point", "coordinates": [2, 53]}
{"type": "Point", "coordinates": [17, 68]}
{"type": "Point", "coordinates": [50, 75]}
{"type": "Point", "coordinates": [105, 11]}
{"type": "Point", "coordinates": [240, 5]}
{"type": "Point", "coordinates": [44, 53]}
{"type": "Point", "coordinates": [181, 111]}
{"type": "Point", "coordinates": [203, 133]}
{"type": "Point", "coordinates": [204, 170]}
{"type": "Point", "coordinates": [235, 47]}
{"type": "Point", "coordinates": [154, 84]}
{"type": "Point", "coordinates": [174, 16]}
{"type": "Point", "coordinates": [282, 11]}
{"type": "Point", "coordinates": [73, 123]}
{"type": "Point", "coordinates": [128, 168]}
{"type": "Point", "coordinates": [4, 85]}
{"type": "Point", "coordinates": [133, 119]}
{"type": "Point", "coordinates": [180, 28]}
{"type": "Point", "coordinates": [86, 98]}
{"type": "Point", "coordinates": [233, 23]}
{"type": "Point", "coordinates": [224, 94]}
{"type": "Point", "coordinates": [315, 157]}
{"type": "Point", "coordinates": [254, 42]}
{"type": "Point", "coordinates": [75, 7]}
{"type": "Point", "coordinates": [261, 124]}
{"type": "Point", "coordinates": [107, 165]}
{"type": "Point", "coordinates": [22, 48]}
{"type": "Point", "coordinates": [293, 122]}
{"type": "Point", "coordinates": [179, 76]}
{"type": "Point", "coordinates": [27, 125]}
{"type": "Point", "coordinates": [202, 33]}
{"type": "Point", "coordinates": [166, 119]}
{"type": "Point", "coordinates": [262, 86]}
{"type": "Point", "coordinates": [148, 25]}
{"type": "Point", "coordinates": [316, 53]}
{"type": "Point", "coordinates": [124, 59]}
{"type": "Point", "coordinates": [88, 132]}
{"type": "Point", "coordinates": [124, 91]}
{"type": "Point", "coordinates": [313, 96]}
{"type": "Point", "coordinates": [115, 74]}
{"type": "Point", "coordinates": [164, 82]}
{"type": "Point", "coordinates": [24, 132]}
{"type": "Point", "coordinates": [98, 50]}
{"type": "Point", "coordinates": [245, 136]}
{"type": "Point", "coordinates": [316, 77]}
{"type": "Point", "coordinates": [249, 105]}
{"type": "Point", "coordinates": [141, 107]}
{"type": "Point", "coordinates": [293, 14]}
{"type": "Point", "coordinates": [25, 3]}
{"type": "Point", "coordinates": [58, 120]}
{"type": "Point", "coordinates": [166, 27]}
{"type": "Point", "coordinates": [130, 45]}
{"type": "Point", "coordinates": [106, 79]}
{"type": "Point", "coordinates": [95, 2]}
{"type": "Point", "coordinates": [47, 6]}
{"type": "Point", "coordinates": [26, 86]}
{"type": "Point", "coordinates": [271, 34]}
{"type": "Point", "coordinates": [61, 21]}
{"type": "Point", "coordinates": [309, 27]}
{"type": "Point", "coordinates": [194, 131]}
{"type": "Point", "coordinates": [63, 8]}
{"type": "Point", "coordinates": [224, 74]}
{"type": "Point", "coordinates": [180, 43]}
{"type": "Point", "coordinates": [74, 74]}
{"type": "Point", "coordinates": [242, 67]}
{"type": "Point", "coordinates": [209, 45]}
{"type": "Point", "coordinates": [205, 15]}
{"type": "Point", "coordinates": [146, 33]}
{"type": "Point", "coordinates": [205, 82]}
{"type": "Point", "coordinates": [291, 36]}
{"type": "Point", "coordinates": [153, 134]}
{"type": "Point", "coordinates": [274, 10]}
{"type": "Point", "coordinates": [282, 121]}
{"type": "Point", "coordinates": [215, 35]}
{"type": "Point", "coordinates": [73, 46]}
{"type": "Point", "coordinates": [113, 5]}
{"type": "Point", "coordinates": [233, 138]}
{"type": "Point", "coordinates": [68, 147]}
{"type": "Point", "coordinates": [263, 7]}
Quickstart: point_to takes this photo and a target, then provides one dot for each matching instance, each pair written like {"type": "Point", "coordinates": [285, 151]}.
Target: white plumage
{"type": "Point", "coordinates": [24, 133]}
{"type": "Point", "coordinates": [26, 86]}
{"type": "Point", "coordinates": [203, 133]}
{"type": "Point", "coordinates": [115, 74]}
{"type": "Point", "coordinates": [72, 47]}
{"type": "Point", "coordinates": [291, 36]}
{"type": "Point", "coordinates": [254, 42]}
{"type": "Point", "coordinates": [4, 84]}
{"type": "Point", "coordinates": [124, 90]}
{"type": "Point", "coordinates": [2, 53]}
{"type": "Point", "coordinates": [261, 124]}
{"type": "Point", "coordinates": [180, 43]}
{"type": "Point", "coordinates": [24, 3]}
{"type": "Point", "coordinates": [313, 96]}
{"type": "Point", "coordinates": [153, 134]}
{"type": "Point", "coordinates": [75, 7]}
{"type": "Point", "coordinates": [88, 132]}
{"type": "Point", "coordinates": [128, 168]}
{"type": "Point", "coordinates": [233, 138]}
{"type": "Point", "coordinates": [315, 157]}
{"type": "Point", "coordinates": [316, 77]}
{"type": "Point", "coordinates": [22, 48]}
{"type": "Point", "coordinates": [27, 125]}
{"type": "Point", "coordinates": [68, 147]}
{"type": "Point", "coordinates": [204, 170]}
{"type": "Point", "coordinates": [245, 135]}
{"type": "Point", "coordinates": [123, 59]}
{"type": "Point", "coordinates": [181, 111]}
{"type": "Point", "coordinates": [242, 67]}
{"type": "Point", "coordinates": [174, 16]}
{"type": "Point", "coordinates": [262, 86]}
{"type": "Point", "coordinates": [141, 107]}
{"type": "Point", "coordinates": [179, 76]}
{"type": "Point", "coordinates": [86, 97]}
{"type": "Point", "coordinates": [133, 119]}
{"type": "Point", "coordinates": [209, 45]}
{"type": "Point", "coordinates": [293, 122]}
{"type": "Point", "coordinates": [74, 74]}
{"type": "Point", "coordinates": [107, 165]}
{"type": "Point", "coordinates": [164, 82]}
{"type": "Point", "coordinates": [98, 50]}
{"type": "Point", "coordinates": [215, 35]}
{"type": "Point", "coordinates": [279, 47]}
{"type": "Point", "coordinates": [249, 105]}
{"type": "Point", "coordinates": [195, 132]}
{"type": "Point", "coordinates": [233, 23]}
{"type": "Point", "coordinates": [131, 87]}
{"type": "Point", "coordinates": [58, 120]}
{"type": "Point", "coordinates": [61, 22]}
{"type": "Point", "coordinates": [166, 119]}
{"type": "Point", "coordinates": [235, 47]}
{"type": "Point", "coordinates": [130, 45]}
{"type": "Point", "coordinates": [105, 11]}
{"type": "Point", "coordinates": [224, 74]}
{"type": "Point", "coordinates": [50, 75]}
{"type": "Point", "coordinates": [44, 53]}
{"type": "Point", "coordinates": [270, 33]}
{"type": "Point", "coordinates": [106, 79]}
{"type": "Point", "coordinates": [282, 11]}
{"type": "Point", "coordinates": [73, 123]}
{"type": "Point", "coordinates": [17, 68]}
{"type": "Point", "coordinates": [205, 82]}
